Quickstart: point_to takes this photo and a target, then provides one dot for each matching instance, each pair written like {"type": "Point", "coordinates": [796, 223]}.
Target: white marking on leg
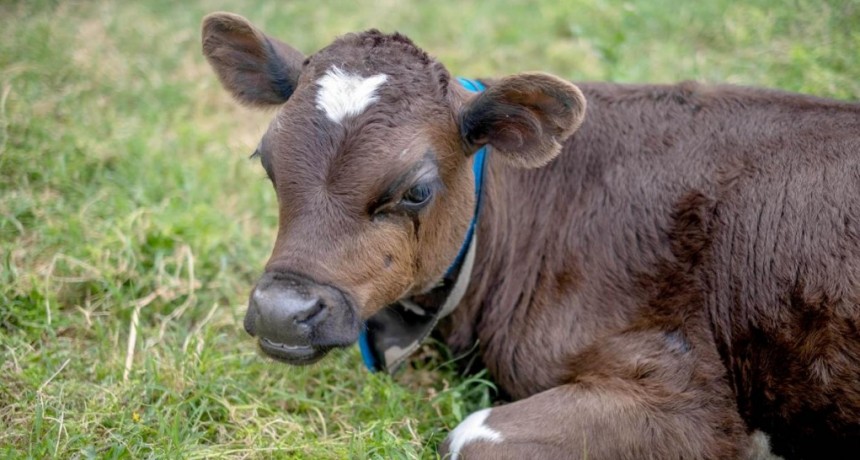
{"type": "Point", "coordinates": [342, 94]}
{"type": "Point", "coordinates": [760, 447]}
{"type": "Point", "coordinates": [472, 429]}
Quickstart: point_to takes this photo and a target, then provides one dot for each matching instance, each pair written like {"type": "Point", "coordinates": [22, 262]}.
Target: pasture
{"type": "Point", "coordinates": [133, 226]}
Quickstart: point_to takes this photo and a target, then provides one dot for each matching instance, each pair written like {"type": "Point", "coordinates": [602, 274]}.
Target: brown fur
{"type": "Point", "coordinates": [726, 216]}
{"type": "Point", "coordinates": [683, 273]}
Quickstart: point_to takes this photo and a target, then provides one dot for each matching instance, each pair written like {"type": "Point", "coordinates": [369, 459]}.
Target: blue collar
{"type": "Point", "coordinates": [368, 353]}
{"type": "Point", "coordinates": [473, 86]}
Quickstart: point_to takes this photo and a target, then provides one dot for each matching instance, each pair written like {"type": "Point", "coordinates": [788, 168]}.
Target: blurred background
{"type": "Point", "coordinates": [132, 224]}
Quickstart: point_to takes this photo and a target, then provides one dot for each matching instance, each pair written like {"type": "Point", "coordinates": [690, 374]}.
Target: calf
{"type": "Point", "coordinates": [656, 276]}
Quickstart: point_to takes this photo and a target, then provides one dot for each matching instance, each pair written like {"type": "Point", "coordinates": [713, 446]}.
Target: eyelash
{"type": "Point", "coordinates": [257, 154]}
{"type": "Point", "coordinates": [403, 205]}
{"type": "Point", "coordinates": [418, 195]}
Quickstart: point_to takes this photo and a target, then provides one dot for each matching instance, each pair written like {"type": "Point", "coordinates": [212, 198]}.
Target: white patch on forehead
{"type": "Point", "coordinates": [342, 94]}
{"type": "Point", "coordinates": [470, 430]}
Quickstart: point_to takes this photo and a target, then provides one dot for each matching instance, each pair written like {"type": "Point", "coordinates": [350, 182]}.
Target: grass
{"type": "Point", "coordinates": [125, 197]}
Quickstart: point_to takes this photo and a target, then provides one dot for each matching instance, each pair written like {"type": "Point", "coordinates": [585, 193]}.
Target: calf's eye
{"type": "Point", "coordinates": [417, 196]}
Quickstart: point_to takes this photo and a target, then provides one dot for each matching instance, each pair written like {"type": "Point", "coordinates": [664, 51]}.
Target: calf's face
{"type": "Point", "coordinates": [370, 155]}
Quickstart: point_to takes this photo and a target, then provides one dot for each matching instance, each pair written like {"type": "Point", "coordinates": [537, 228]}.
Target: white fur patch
{"type": "Point", "coordinates": [342, 94]}
{"type": "Point", "coordinates": [472, 429]}
{"type": "Point", "coordinates": [760, 447]}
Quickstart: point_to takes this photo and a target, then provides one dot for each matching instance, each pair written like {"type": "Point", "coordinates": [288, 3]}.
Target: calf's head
{"type": "Point", "coordinates": [370, 155]}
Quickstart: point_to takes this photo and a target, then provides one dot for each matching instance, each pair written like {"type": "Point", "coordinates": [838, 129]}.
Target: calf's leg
{"type": "Point", "coordinates": [638, 395]}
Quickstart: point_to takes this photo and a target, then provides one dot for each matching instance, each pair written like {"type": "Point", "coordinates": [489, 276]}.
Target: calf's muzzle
{"type": "Point", "coordinates": [298, 320]}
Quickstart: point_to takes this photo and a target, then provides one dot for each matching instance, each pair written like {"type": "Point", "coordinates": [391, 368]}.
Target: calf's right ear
{"type": "Point", "coordinates": [524, 117]}
{"type": "Point", "coordinates": [256, 69]}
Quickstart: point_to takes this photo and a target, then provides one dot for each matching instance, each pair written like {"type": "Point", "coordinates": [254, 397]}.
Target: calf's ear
{"type": "Point", "coordinates": [256, 69]}
{"type": "Point", "coordinates": [524, 117]}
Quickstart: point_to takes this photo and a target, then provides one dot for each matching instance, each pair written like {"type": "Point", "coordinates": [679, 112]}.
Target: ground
{"type": "Point", "coordinates": [132, 225]}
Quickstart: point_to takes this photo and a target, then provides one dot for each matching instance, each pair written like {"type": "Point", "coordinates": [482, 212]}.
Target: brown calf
{"type": "Point", "coordinates": [656, 276]}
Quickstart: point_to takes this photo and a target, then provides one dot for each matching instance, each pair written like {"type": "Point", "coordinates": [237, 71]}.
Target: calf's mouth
{"type": "Point", "coordinates": [292, 354]}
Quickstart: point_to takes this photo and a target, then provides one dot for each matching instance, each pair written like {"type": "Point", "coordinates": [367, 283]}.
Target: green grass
{"type": "Point", "coordinates": [124, 187]}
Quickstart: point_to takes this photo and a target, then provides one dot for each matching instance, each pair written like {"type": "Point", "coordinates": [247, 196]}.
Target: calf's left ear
{"type": "Point", "coordinates": [525, 117]}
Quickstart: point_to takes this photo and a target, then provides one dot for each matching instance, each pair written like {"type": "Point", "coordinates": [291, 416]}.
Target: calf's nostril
{"type": "Point", "coordinates": [284, 315]}
{"type": "Point", "coordinates": [251, 321]}
{"type": "Point", "coordinates": [251, 315]}
{"type": "Point", "coordinates": [312, 311]}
